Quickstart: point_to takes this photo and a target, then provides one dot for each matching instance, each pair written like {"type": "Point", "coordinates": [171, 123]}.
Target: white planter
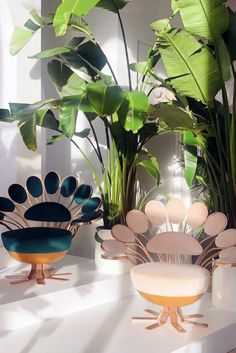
{"type": "Point", "coordinates": [224, 288]}
{"type": "Point", "coordinates": [113, 267]}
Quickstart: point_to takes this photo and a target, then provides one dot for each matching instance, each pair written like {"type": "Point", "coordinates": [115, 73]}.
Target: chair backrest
{"type": "Point", "coordinates": [50, 200]}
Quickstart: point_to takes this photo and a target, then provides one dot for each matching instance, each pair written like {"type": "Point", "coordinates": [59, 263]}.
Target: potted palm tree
{"type": "Point", "coordinates": [199, 59]}
{"type": "Point", "coordinates": [76, 70]}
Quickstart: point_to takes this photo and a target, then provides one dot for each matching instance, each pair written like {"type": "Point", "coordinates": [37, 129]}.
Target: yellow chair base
{"type": "Point", "coordinates": [38, 273]}
{"type": "Point", "coordinates": [171, 310]}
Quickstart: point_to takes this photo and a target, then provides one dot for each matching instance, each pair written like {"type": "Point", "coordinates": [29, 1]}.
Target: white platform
{"type": "Point", "coordinates": [27, 303]}
{"type": "Point", "coordinates": [108, 329]}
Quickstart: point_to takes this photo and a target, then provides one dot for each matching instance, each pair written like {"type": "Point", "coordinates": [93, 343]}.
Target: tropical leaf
{"type": "Point", "coordinates": [45, 118]}
{"type": "Point", "coordinates": [174, 116]}
{"type": "Point", "coordinates": [139, 67]}
{"type": "Point", "coordinates": [208, 19]}
{"type": "Point", "coordinates": [204, 18]}
{"type": "Point", "coordinates": [66, 9]}
{"type": "Point", "coordinates": [19, 39]}
{"type": "Point", "coordinates": [83, 134]}
{"type": "Point", "coordinates": [104, 99]}
{"type": "Point", "coordinates": [151, 167]}
{"type": "Point", "coordinates": [192, 69]}
{"type": "Point", "coordinates": [59, 74]}
{"type": "Point", "coordinates": [230, 35]}
{"type": "Point", "coordinates": [55, 138]}
{"type": "Point", "coordinates": [133, 111]}
{"type": "Point", "coordinates": [28, 133]}
{"type": "Point", "coordinates": [6, 117]}
{"type": "Point", "coordinates": [51, 52]}
{"type": "Point", "coordinates": [67, 119]}
{"type": "Point", "coordinates": [113, 5]}
{"type": "Point", "coordinates": [75, 86]}
{"type": "Point", "coordinates": [161, 25]}
{"type": "Point", "coordinates": [81, 25]}
{"type": "Point", "coordinates": [190, 156]}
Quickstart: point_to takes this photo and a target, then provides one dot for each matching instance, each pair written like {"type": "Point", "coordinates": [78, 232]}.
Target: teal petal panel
{"type": "Point", "coordinates": [83, 193]}
{"type": "Point", "coordinates": [1, 216]}
{"type": "Point", "coordinates": [17, 193]}
{"type": "Point", "coordinates": [88, 217]}
{"type": "Point", "coordinates": [38, 240]}
{"type": "Point", "coordinates": [6, 205]}
{"type": "Point", "coordinates": [48, 212]}
{"type": "Point", "coordinates": [34, 186]}
{"type": "Point", "coordinates": [68, 186]}
{"type": "Point", "coordinates": [91, 205]}
{"type": "Point", "coordinates": [51, 182]}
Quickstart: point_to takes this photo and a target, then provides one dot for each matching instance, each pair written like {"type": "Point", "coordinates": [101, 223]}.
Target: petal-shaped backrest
{"type": "Point", "coordinates": [1, 216]}
{"type": "Point", "coordinates": [17, 193]}
{"type": "Point", "coordinates": [137, 221]}
{"type": "Point", "coordinates": [215, 223]}
{"type": "Point", "coordinates": [197, 215]}
{"type": "Point", "coordinates": [176, 211]}
{"type": "Point", "coordinates": [48, 212]}
{"type": "Point", "coordinates": [155, 212]}
{"type": "Point", "coordinates": [6, 205]}
{"type": "Point", "coordinates": [52, 182]}
{"type": "Point", "coordinates": [174, 243]}
{"type": "Point", "coordinates": [34, 186]}
{"type": "Point", "coordinates": [91, 205]}
{"type": "Point", "coordinates": [68, 186]}
{"type": "Point", "coordinates": [226, 238]}
{"type": "Point", "coordinates": [83, 193]}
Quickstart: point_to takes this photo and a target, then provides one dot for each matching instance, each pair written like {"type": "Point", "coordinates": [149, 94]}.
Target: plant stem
{"type": "Point", "coordinates": [125, 44]}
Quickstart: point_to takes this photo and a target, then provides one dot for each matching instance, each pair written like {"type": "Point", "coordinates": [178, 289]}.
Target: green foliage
{"type": "Point", "coordinates": [112, 5]}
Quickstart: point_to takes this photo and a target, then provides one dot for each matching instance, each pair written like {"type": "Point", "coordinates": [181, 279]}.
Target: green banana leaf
{"type": "Point", "coordinates": [204, 18]}
{"type": "Point", "coordinates": [190, 156]}
{"type": "Point", "coordinates": [208, 19]}
{"type": "Point", "coordinates": [151, 166]}
{"type": "Point", "coordinates": [112, 5]}
{"type": "Point", "coordinates": [133, 111]}
{"type": "Point", "coordinates": [105, 100]}
{"type": "Point", "coordinates": [192, 68]}
{"type": "Point", "coordinates": [66, 9]}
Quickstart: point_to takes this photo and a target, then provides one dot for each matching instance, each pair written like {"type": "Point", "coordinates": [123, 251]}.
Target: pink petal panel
{"type": "Point", "coordinates": [155, 212]}
{"type": "Point", "coordinates": [123, 233]}
{"type": "Point", "coordinates": [174, 243]}
{"type": "Point", "coordinates": [114, 246]}
{"type": "Point", "coordinates": [228, 253]}
{"type": "Point", "coordinates": [137, 221]}
{"type": "Point", "coordinates": [176, 211]}
{"type": "Point", "coordinates": [226, 238]}
{"type": "Point", "coordinates": [215, 223]}
{"type": "Point", "coordinates": [113, 256]}
{"type": "Point", "coordinates": [197, 215]}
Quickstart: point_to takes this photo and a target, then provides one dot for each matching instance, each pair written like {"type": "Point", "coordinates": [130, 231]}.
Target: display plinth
{"type": "Point", "coordinates": [27, 304]}
{"type": "Point", "coordinates": [108, 329]}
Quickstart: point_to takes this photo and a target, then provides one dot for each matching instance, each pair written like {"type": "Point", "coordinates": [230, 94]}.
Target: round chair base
{"type": "Point", "coordinates": [38, 273]}
{"type": "Point", "coordinates": [174, 314]}
{"type": "Point", "coordinates": [38, 259]}
{"type": "Point", "coordinates": [170, 301]}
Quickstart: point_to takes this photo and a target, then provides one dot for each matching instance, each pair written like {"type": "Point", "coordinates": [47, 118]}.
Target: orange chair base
{"type": "Point", "coordinates": [171, 312]}
{"type": "Point", "coordinates": [38, 273]}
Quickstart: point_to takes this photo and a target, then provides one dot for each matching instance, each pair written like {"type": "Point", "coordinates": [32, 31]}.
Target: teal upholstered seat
{"type": "Point", "coordinates": [37, 240]}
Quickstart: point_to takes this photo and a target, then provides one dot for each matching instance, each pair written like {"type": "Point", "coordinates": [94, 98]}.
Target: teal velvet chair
{"type": "Point", "coordinates": [41, 220]}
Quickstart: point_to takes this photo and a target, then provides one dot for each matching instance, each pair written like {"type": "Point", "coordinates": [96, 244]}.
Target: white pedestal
{"type": "Point", "coordinates": [108, 329]}
{"type": "Point", "coordinates": [224, 288]}
{"type": "Point", "coordinates": [28, 303]}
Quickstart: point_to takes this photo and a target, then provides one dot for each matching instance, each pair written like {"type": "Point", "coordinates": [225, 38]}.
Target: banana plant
{"type": "Point", "coordinates": [76, 70]}
{"type": "Point", "coordinates": [199, 61]}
